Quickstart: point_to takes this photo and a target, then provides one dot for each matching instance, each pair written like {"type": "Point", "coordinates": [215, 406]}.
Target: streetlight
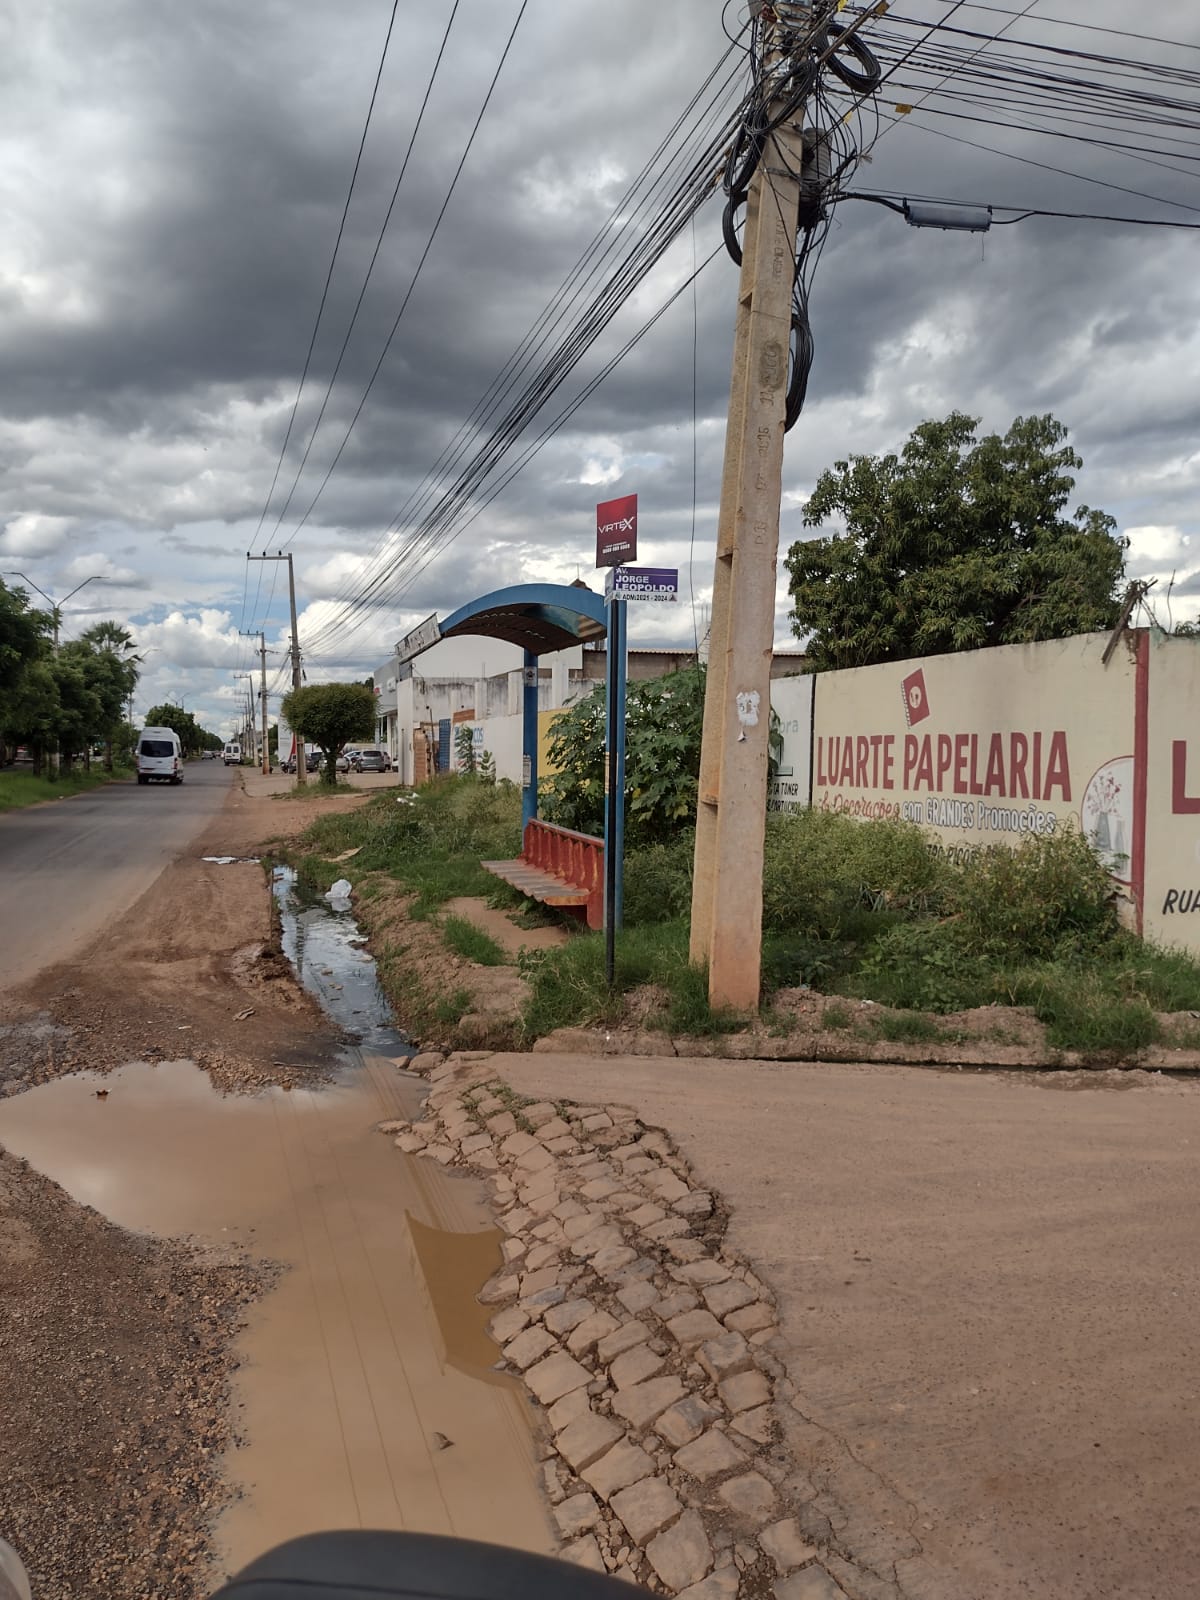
{"type": "Point", "coordinates": [56, 607]}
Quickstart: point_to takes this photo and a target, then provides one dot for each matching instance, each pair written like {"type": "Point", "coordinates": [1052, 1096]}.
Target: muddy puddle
{"type": "Point", "coordinates": [366, 1392]}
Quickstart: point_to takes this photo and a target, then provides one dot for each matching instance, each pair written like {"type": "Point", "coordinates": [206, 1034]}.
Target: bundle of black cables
{"type": "Point", "coordinates": [774, 98]}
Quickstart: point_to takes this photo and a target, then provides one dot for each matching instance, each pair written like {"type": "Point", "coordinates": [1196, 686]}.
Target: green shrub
{"type": "Point", "coordinates": [568, 986]}
{"type": "Point", "coordinates": [1024, 903]}
{"type": "Point", "coordinates": [663, 721]}
{"type": "Point", "coordinates": [924, 966]}
{"type": "Point", "coordinates": [820, 868]}
{"type": "Point", "coordinates": [658, 882]}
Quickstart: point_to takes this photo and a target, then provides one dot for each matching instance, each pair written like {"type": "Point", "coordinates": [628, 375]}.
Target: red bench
{"type": "Point", "coordinates": [560, 868]}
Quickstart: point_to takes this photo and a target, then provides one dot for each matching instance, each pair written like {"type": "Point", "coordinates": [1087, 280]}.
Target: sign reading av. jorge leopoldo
{"type": "Point", "coordinates": [616, 531]}
{"type": "Point", "coordinates": [643, 583]}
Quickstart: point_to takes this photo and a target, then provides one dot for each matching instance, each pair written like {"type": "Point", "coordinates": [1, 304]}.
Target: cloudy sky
{"type": "Point", "coordinates": [173, 177]}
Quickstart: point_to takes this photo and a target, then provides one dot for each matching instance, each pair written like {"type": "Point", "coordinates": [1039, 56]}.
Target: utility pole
{"type": "Point", "coordinates": [726, 929]}
{"type": "Point", "coordinates": [262, 656]}
{"type": "Point", "coordinates": [297, 677]}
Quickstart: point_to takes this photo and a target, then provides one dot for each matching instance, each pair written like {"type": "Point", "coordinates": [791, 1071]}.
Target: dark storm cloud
{"type": "Point", "coordinates": [175, 176]}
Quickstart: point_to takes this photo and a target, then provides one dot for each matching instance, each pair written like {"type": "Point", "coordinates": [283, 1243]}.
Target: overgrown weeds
{"type": "Point", "coordinates": [862, 910]}
{"type": "Point", "coordinates": [472, 943]}
{"type": "Point", "coordinates": [569, 988]}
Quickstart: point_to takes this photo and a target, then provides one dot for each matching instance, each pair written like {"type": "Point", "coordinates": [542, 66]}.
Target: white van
{"type": "Point", "coordinates": [232, 754]}
{"type": "Point", "coordinates": [159, 756]}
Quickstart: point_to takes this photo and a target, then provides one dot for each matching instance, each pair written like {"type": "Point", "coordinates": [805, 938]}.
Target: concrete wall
{"type": "Point", "coordinates": [989, 746]}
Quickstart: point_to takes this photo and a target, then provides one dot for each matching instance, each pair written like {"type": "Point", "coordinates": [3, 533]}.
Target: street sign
{"type": "Point", "coordinates": [421, 637]}
{"type": "Point", "coordinates": [643, 583]}
{"type": "Point", "coordinates": [616, 531]}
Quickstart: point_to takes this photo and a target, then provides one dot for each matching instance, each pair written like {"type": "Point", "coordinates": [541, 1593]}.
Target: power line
{"type": "Point", "coordinates": [696, 185]}
{"type": "Point", "coordinates": [1045, 166]}
{"type": "Point", "coordinates": [625, 215]}
{"type": "Point", "coordinates": [324, 295]}
{"type": "Point", "coordinates": [415, 277]}
{"type": "Point", "coordinates": [337, 367]}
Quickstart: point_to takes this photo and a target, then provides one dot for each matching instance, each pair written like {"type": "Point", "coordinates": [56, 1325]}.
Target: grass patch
{"type": "Point", "coordinates": [907, 1027]}
{"type": "Point", "coordinates": [472, 943]}
{"type": "Point", "coordinates": [451, 1008]}
{"type": "Point", "coordinates": [568, 986]}
{"type": "Point", "coordinates": [431, 841]}
{"type": "Point", "coordinates": [20, 788]}
{"type": "Point", "coordinates": [315, 790]}
{"type": "Point", "coordinates": [837, 1016]}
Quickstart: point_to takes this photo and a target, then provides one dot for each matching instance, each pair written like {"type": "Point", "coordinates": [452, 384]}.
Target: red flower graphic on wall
{"type": "Point", "coordinates": [916, 701]}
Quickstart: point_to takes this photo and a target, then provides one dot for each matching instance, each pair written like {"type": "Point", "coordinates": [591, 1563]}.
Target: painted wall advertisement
{"type": "Point", "coordinates": [1171, 740]}
{"type": "Point", "coordinates": [987, 746]}
{"type": "Point", "coordinates": [791, 743]}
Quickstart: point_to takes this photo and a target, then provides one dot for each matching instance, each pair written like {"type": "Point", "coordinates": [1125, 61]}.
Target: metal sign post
{"type": "Point", "coordinates": [614, 784]}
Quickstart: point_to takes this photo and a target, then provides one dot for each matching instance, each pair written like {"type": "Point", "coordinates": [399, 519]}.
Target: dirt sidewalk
{"type": "Point", "coordinates": [989, 1286]}
{"type": "Point", "coordinates": [192, 969]}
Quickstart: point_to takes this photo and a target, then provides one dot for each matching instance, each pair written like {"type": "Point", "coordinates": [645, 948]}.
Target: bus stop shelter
{"type": "Point", "coordinates": [541, 618]}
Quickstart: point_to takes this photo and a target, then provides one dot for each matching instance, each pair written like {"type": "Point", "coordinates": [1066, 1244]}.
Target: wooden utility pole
{"type": "Point", "coordinates": [297, 675]}
{"type": "Point", "coordinates": [731, 815]}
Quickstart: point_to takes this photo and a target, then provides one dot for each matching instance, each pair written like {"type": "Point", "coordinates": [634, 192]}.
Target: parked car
{"type": "Point", "coordinates": [371, 760]}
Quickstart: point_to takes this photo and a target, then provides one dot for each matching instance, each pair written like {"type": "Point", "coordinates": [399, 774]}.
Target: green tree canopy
{"type": "Point", "coordinates": [329, 715]}
{"type": "Point", "coordinates": [191, 736]}
{"type": "Point", "coordinates": [955, 544]}
{"type": "Point", "coordinates": [664, 718]}
{"type": "Point", "coordinates": [24, 635]}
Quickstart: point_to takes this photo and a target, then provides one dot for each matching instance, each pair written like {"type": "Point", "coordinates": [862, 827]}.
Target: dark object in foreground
{"type": "Point", "coordinates": [413, 1566]}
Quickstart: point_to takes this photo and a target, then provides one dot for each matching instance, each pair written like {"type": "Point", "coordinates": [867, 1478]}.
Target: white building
{"type": "Point", "coordinates": [465, 679]}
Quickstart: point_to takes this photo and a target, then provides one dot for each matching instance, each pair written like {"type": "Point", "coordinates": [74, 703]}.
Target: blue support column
{"type": "Point", "coordinates": [619, 765]}
{"type": "Point", "coordinates": [614, 781]}
{"type": "Point", "coordinates": [529, 741]}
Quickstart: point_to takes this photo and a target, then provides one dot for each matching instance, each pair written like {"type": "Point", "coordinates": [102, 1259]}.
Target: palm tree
{"type": "Point", "coordinates": [112, 640]}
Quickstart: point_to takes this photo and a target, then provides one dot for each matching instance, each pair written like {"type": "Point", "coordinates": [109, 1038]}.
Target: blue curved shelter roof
{"type": "Point", "coordinates": [538, 617]}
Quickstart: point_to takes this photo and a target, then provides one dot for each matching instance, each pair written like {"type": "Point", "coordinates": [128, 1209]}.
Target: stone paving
{"type": "Point", "coordinates": [651, 1351]}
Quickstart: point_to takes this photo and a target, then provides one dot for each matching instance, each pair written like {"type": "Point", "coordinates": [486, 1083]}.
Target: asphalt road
{"type": "Point", "coordinates": [69, 867]}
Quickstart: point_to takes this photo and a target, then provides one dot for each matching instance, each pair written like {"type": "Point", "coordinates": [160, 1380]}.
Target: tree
{"type": "Point", "coordinates": [663, 722]}
{"type": "Point", "coordinates": [956, 544]}
{"type": "Point", "coordinates": [464, 747]}
{"type": "Point", "coordinates": [329, 715]}
{"type": "Point", "coordinates": [113, 645]}
{"type": "Point", "coordinates": [191, 736]}
{"type": "Point", "coordinates": [24, 641]}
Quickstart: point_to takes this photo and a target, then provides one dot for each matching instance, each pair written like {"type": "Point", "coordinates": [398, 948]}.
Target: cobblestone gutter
{"type": "Point", "coordinates": [651, 1350]}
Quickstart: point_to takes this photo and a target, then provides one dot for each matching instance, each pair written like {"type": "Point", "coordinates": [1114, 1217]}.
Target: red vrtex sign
{"type": "Point", "coordinates": [616, 531]}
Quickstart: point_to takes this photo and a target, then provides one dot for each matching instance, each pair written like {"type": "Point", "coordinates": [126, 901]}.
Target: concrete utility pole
{"type": "Point", "coordinates": [262, 656]}
{"type": "Point", "coordinates": [731, 815]}
{"type": "Point", "coordinates": [297, 675]}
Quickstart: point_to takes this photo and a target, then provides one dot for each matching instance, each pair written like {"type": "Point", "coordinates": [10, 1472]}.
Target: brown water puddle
{"type": "Point", "coordinates": [367, 1356]}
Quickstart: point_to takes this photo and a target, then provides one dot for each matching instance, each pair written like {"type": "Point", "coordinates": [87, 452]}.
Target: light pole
{"type": "Point", "coordinates": [56, 606]}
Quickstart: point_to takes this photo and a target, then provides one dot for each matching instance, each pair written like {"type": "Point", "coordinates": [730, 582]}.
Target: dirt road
{"type": "Point", "coordinates": [71, 867]}
{"type": "Point", "coordinates": [990, 1285]}
{"type": "Point", "coordinates": [191, 967]}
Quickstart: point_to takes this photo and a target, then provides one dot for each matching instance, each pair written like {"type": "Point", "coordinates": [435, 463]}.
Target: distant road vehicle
{"type": "Point", "coordinates": [371, 760]}
{"type": "Point", "coordinates": [232, 754]}
{"type": "Point", "coordinates": [159, 756]}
